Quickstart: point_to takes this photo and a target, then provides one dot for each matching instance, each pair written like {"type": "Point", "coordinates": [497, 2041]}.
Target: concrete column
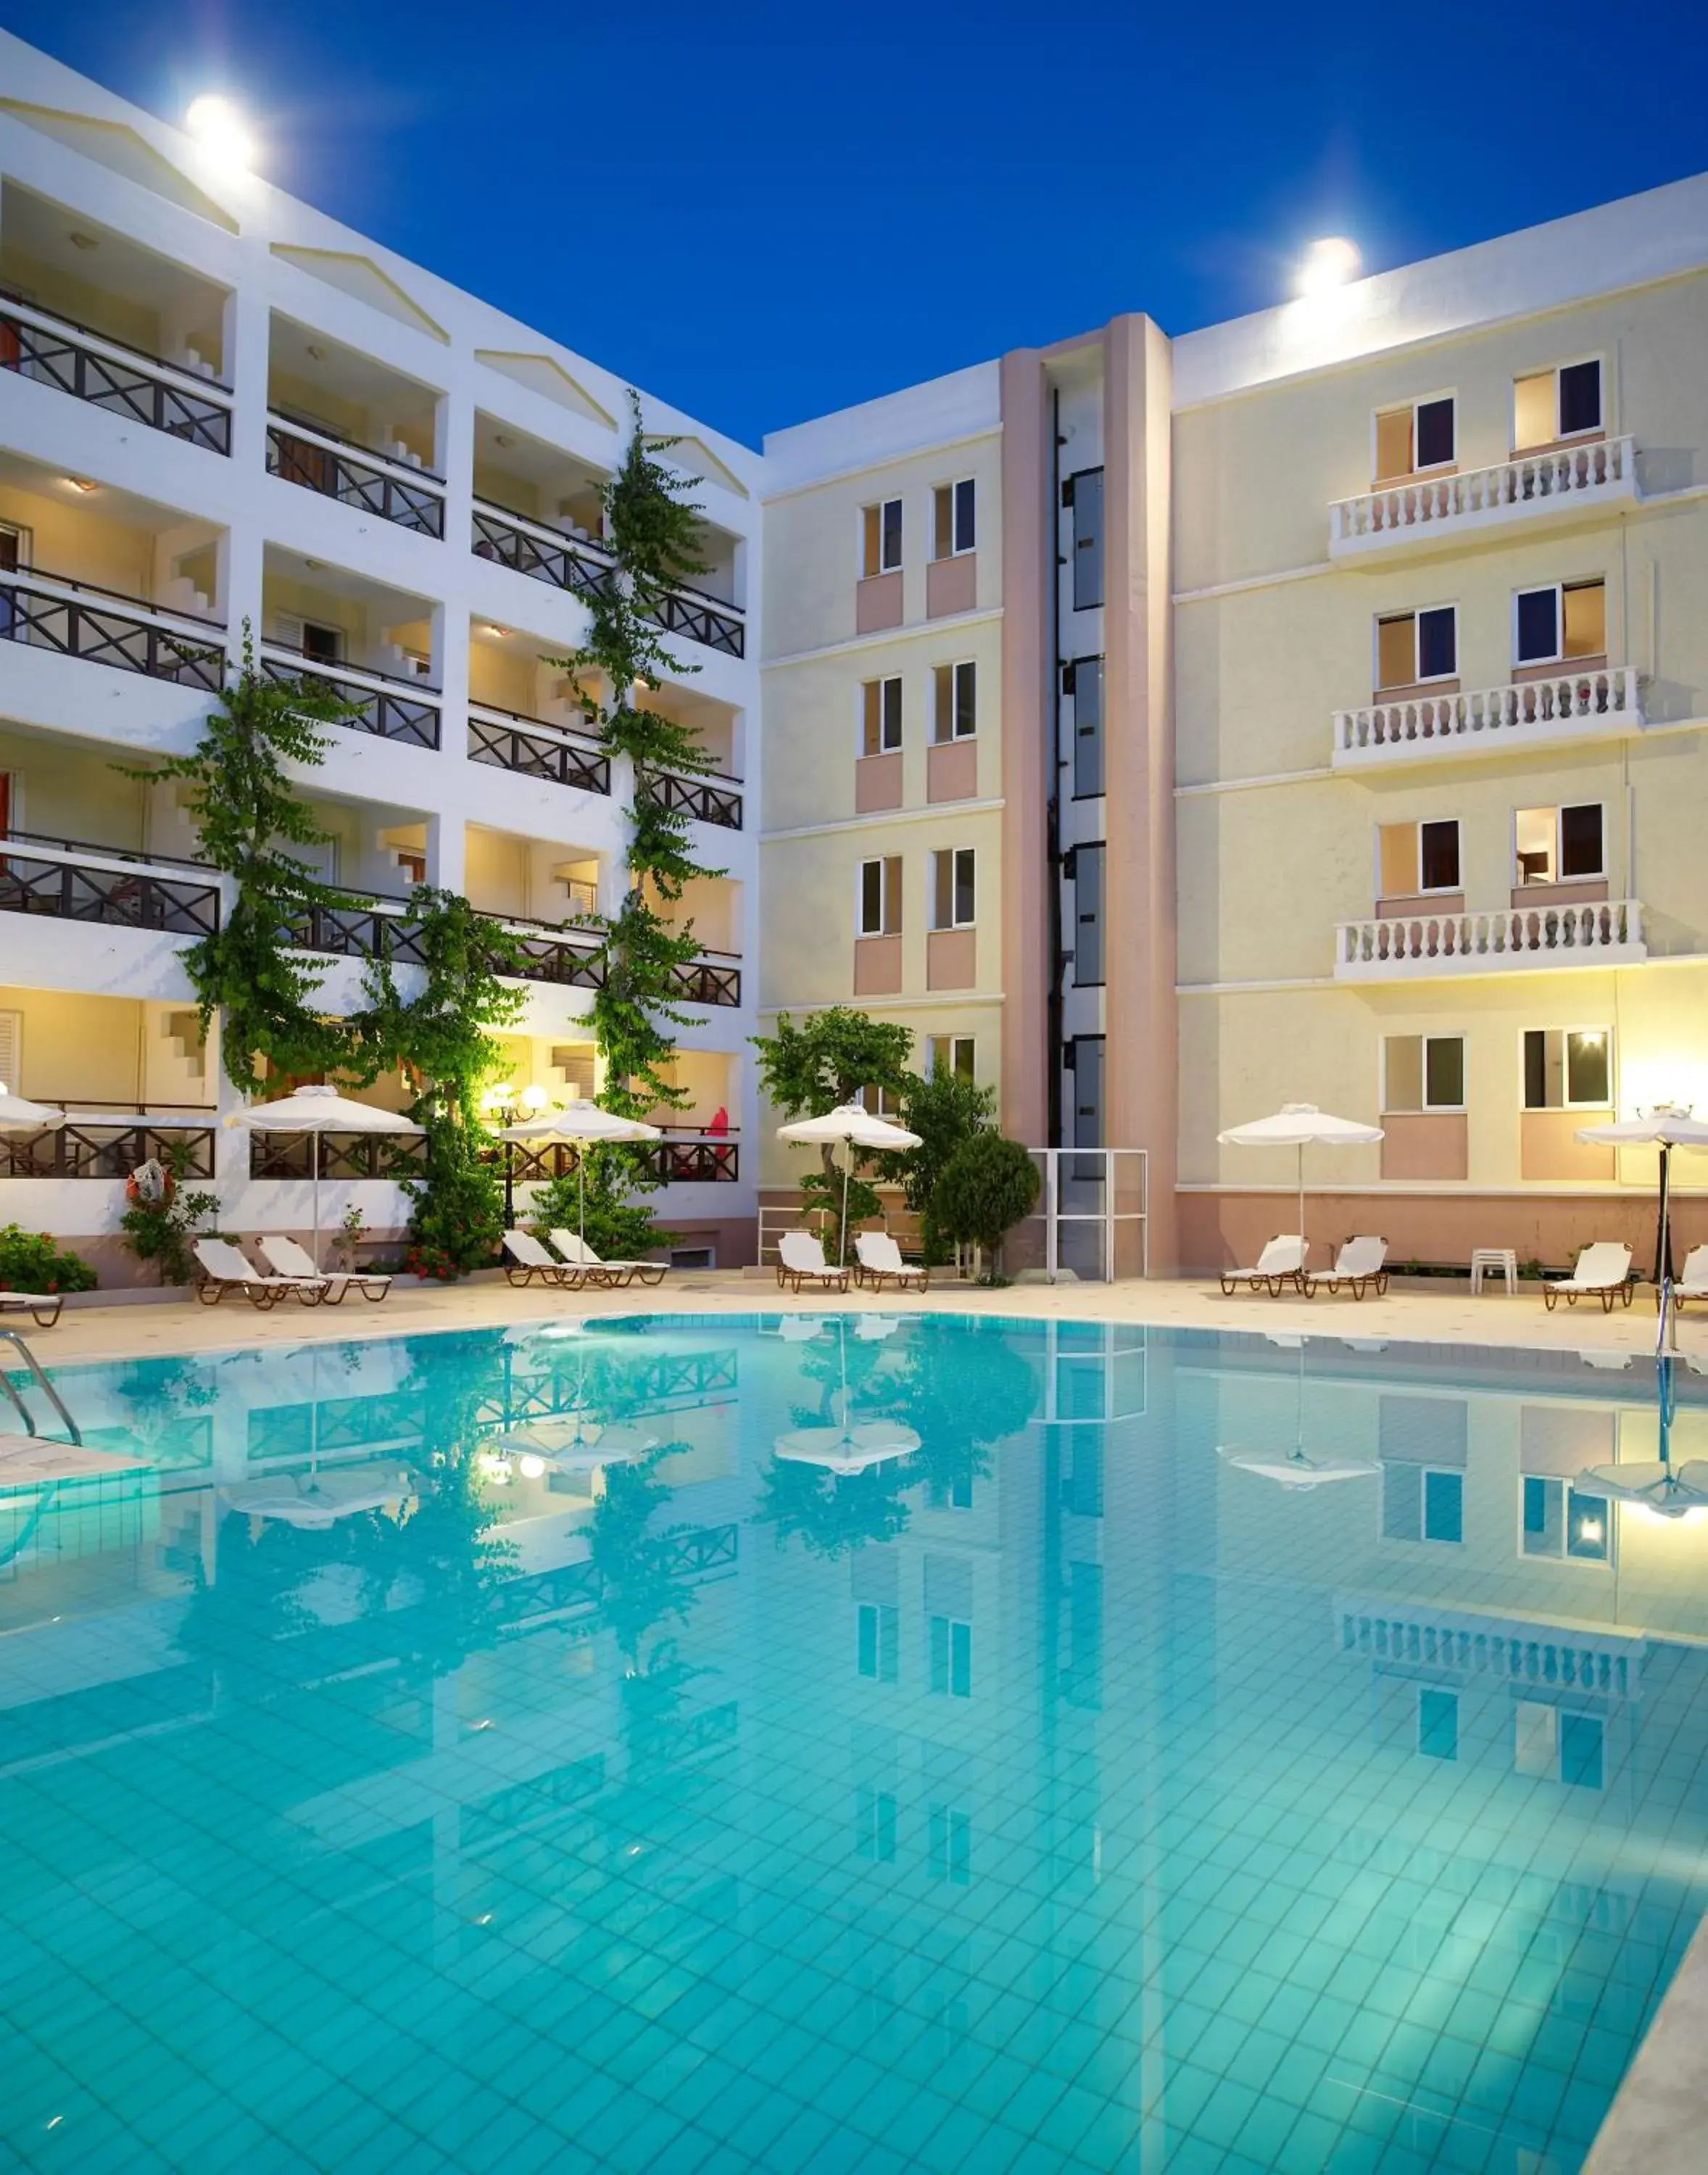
{"type": "Point", "coordinates": [1141, 1084]}
{"type": "Point", "coordinates": [244, 550]}
{"type": "Point", "coordinates": [1028, 670]}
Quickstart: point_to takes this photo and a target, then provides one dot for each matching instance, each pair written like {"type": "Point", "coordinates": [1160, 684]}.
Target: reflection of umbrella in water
{"type": "Point", "coordinates": [1655, 1484]}
{"type": "Point", "coordinates": [306, 1499]}
{"type": "Point", "coordinates": [1296, 1469]}
{"type": "Point", "coordinates": [570, 1445]}
{"type": "Point", "coordinates": [844, 1449]}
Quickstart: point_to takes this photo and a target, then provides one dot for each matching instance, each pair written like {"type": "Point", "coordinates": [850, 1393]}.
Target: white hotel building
{"type": "Point", "coordinates": [221, 409]}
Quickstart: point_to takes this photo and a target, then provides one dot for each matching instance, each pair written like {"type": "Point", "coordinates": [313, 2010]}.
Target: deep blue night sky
{"type": "Point", "coordinates": [762, 212]}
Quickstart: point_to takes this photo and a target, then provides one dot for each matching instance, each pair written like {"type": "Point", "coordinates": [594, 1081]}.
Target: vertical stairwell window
{"type": "Point", "coordinates": [1083, 495]}
{"type": "Point", "coordinates": [1082, 683]}
{"type": "Point", "coordinates": [1087, 870]}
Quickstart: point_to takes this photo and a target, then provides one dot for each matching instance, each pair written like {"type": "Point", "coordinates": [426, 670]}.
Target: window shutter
{"type": "Point", "coordinates": [11, 1051]}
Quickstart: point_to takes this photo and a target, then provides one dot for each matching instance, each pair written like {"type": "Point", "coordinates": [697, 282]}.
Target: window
{"type": "Point", "coordinates": [1567, 1068]}
{"type": "Point", "coordinates": [1085, 1060]}
{"type": "Point", "coordinates": [949, 1841]}
{"type": "Point", "coordinates": [952, 889]}
{"type": "Point", "coordinates": [1559, 845]}
{"type": "Point", "coordinates": [1083, 494]}
{"type": "Point", "coordinates": [876, 1642]}
{"type": "Point", "coordinates": [324, 645]}
{"type": "Point", "coordinates": [11, 1051]}
{"type": "Point", "coordinates": [1421, 435]}
{"type": "Point", "coordinates": [1551, 404]}
{"type": "Point", "coordinates": [1565, 620]}
{"type": "Point", "coordinates": [881, 897]}
{"type": "Point", "coordinates": [1086, 867]}
{"type": "Point", "coordinates": [875, 1824]}
{"type": "Point", "coordinates": [1082, 683]}
{"type": "Point", "coordinates": [881, 724]}
{"type": "Point", "coordinates": [953, 529]}
{"type": "Point", "coordinates": [1423, 1072]}
{"type": "Point", "coordinates": [15, 547]}
{"type": "Point", "coordinates": [952, 1658]}
{"type": "Point", "coordinates": [1419, 1504]}
{"type": "Point", "coordinates": [1418, 857]}
{"type": "Point", "coordinates": [1438, 1723]}
{"type": "Point", "coordinates": [882, 1102]}
{"type": "Point", "coordinates": [950, 1053]}
{"type": "Point", "coordinates": [1559, 1746]}
{"type": "Point", "coordinates": [955, 710]}
{"type": "Point", "coordinates": [880, 530]}
{"type": "Point", "coordinates": [1560, 1523]}
{"type": "Point", "coordinates": [1416, 646]}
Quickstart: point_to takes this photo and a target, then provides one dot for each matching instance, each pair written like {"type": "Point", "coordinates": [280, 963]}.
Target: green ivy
{"type": "Point", "coordinates": [250, 818]}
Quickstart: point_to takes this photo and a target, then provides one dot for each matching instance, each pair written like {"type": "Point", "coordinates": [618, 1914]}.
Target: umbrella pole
{"type": "Point", "coordinates": [1663, 1236]}
{"type": "Point", "coordinates": [1302, 1240]}
{"type": "Point", "coordinates": [580, 1183]}
{"type": "Point", "coordinates": [314, 1149]}
{"type": "Point", "coordinates": [842, 1228]}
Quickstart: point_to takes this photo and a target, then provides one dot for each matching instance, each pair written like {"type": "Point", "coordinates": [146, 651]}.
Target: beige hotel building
{"type": "Point", "coordinates": [1308, 708]}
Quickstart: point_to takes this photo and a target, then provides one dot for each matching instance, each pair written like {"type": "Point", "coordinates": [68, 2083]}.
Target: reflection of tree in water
{"type": "Point", "coordinates": [162, 1399]}
{"type": "Point", "coordinates": [643, 1587]}
{"type": "Point", "coordinates": [959, 1391]}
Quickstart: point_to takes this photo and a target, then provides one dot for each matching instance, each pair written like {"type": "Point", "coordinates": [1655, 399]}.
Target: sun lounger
{"type": "Point", "coordinates": [288, 1259]}
{"type": "Point", "coordinates": [1692, 1280]}
{"type": "Point", "coordinates": [1359, 1265]}
{"type": "Point", "coordinates": [224, 1269]}
{"type": "Point", "coordinates": [1281, 1262]}
{"type": "Point", "coordinates": [801, 1260]}
{"type": "Point", "coordinates": [43, 1306]}
{"type": "Point", "coordinates": [580, 1256]}
{"type": "Point", "coordinates": [1603, 1271]}
{"type": "Point", "coordinates": [878, 1258]}
{"type": "Point", "coordinates": [529, 1259]}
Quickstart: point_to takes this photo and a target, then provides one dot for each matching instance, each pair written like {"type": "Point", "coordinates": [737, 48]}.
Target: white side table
{"type": "Point", "coordinates": [1494, 1261]}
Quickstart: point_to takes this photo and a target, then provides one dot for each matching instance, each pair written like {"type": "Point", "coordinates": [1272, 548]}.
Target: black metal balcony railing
{"type": "Point", "coordinates": [708, 982]}
{"type": "Point", "coordinates": [532, 754]}
{"type": "Point", "coordinates": [388, 714]}
{"type": "Point", "coordinates": [353, 482]}
{"type": "Point", "coordinates": [527, 548]}
{"type": "Point", "coordinates": [55, 357]}
{"type": "Point", "coordinates": [687, 611]}
{"type": "Point", "coordinates": [670, 1162]}
{"type": "Point", "coordinates": [705, 799]}
{"type": "Point", "coordinates": [337, 1155]}
{"type": "Point", "coordinates": [555, 959]}
{"type": "Point", "coordinates": [75, 1150]}
{"type": "Point", "coordinates": [356, 931]}
{"type": "Point", "coordinates": [71, 626]}
{"type": "Point", "coordinates": [121, 898]}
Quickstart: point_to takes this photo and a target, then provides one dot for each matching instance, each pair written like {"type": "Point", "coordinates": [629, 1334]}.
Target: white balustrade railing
{"type": "Point", "coordinates": [1515, 936]}
{"type": "Point", "coordinates": [1489, 716]}
{"type": "Point", "coordinates": [1529, 482]}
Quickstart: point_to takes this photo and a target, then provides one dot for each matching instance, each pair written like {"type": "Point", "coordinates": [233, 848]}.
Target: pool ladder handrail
{"type": "Point", "coordinates": [39, 1377]}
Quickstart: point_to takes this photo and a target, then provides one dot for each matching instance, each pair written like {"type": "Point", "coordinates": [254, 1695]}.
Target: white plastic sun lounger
{"type": "Point", "coordinates": [288, 1259]}
{"type": "Point", "coordinates": [224, 1269]}
{"type": "Point", "coordinates": [1692, 1280]}
{"type": "Point", "coordinates": [879, 1257]}
{"type": "Point", "coordinates": [43, 1306]}
{"type": "Point", "coordinates": [580, 1256]}
{"type": "Point", "coordinates": [529, 1259]}
{"type": "Point", "coordinates": [1603, 1271]}
{"type": "Point", "coordinates": [1281, 1262]}
{"type": "Point", "coordinates": [801, 1260]}
{"type": "Point", "coordinates": [1359, 1264]}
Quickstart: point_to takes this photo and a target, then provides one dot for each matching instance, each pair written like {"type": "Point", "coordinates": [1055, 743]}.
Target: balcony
{"type": "Point", "coordinates": [79, 619]}
{"type": "Point", "coordinates": [1565, 483]}
{"type": "Point", "coordinates": [1516, 939]}
{"type": "Point", "coordinates": [315, 458]}
{"type": "Point", "coordinates": [388, 707]}
{"type": "Point", "coordinates": [707, 796]}
{"type": "Point", "coordinates": [677, 1159]}
{"type": "Point", "coordinates": [110, 1147]}
{"type": "Point", "coordinates": [68, 880]}
{"type": "Point", "coordinates": [534, 747]}
{"type": "Point", "coordinates": [141, 389]}
{"type": "Point", "coordinates": [337, 1155]}
{"type": "Point", "coordinates": [1602, 704]}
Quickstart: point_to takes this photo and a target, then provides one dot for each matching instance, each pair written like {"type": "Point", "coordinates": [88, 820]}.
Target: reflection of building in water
{"type": "Point", "coordinates": [1103, 1729]}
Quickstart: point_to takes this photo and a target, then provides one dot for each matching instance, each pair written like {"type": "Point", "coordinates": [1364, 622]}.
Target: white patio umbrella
{"type": "Point", "coordinates": [18, 1115]}
{"type": "Point", "coordinates": [319, 1111]}
{"type": "Point", "coordinates": [855, 1128]}
{"type": "Point", "coordinates": [1300, 1125]}
{"type": "Point", "coordinates": [584, 1125]}
{"type": "Point", "coordinates": [1667, 1126]}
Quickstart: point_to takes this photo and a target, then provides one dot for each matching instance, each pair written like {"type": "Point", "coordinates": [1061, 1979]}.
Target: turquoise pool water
{"type": "Point", "coordinates": [686, 1747]}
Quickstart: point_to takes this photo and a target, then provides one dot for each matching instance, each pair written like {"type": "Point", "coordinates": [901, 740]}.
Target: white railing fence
{"type": "Point", "coordinates": [1527, 936]}
{"type": "Point", "coordinates": [1450, 721]}
{"type": "Point", "coordinates": [1564, 472]}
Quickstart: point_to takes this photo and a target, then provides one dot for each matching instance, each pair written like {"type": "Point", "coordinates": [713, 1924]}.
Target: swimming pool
{"type": "Point", "coordinates": [706, 1744]}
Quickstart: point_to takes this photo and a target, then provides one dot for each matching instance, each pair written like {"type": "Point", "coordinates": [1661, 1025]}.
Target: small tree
{"type": "Point", "coordinates": [988, 1186]}
{"type": "Point", "coordinates": [945, 1108]}
{"type": "Point", "coordinates": [818, 1067]}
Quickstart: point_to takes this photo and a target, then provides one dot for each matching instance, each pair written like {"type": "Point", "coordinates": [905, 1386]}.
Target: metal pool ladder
{"type": "Point", "coordinates": [38, 1376]}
